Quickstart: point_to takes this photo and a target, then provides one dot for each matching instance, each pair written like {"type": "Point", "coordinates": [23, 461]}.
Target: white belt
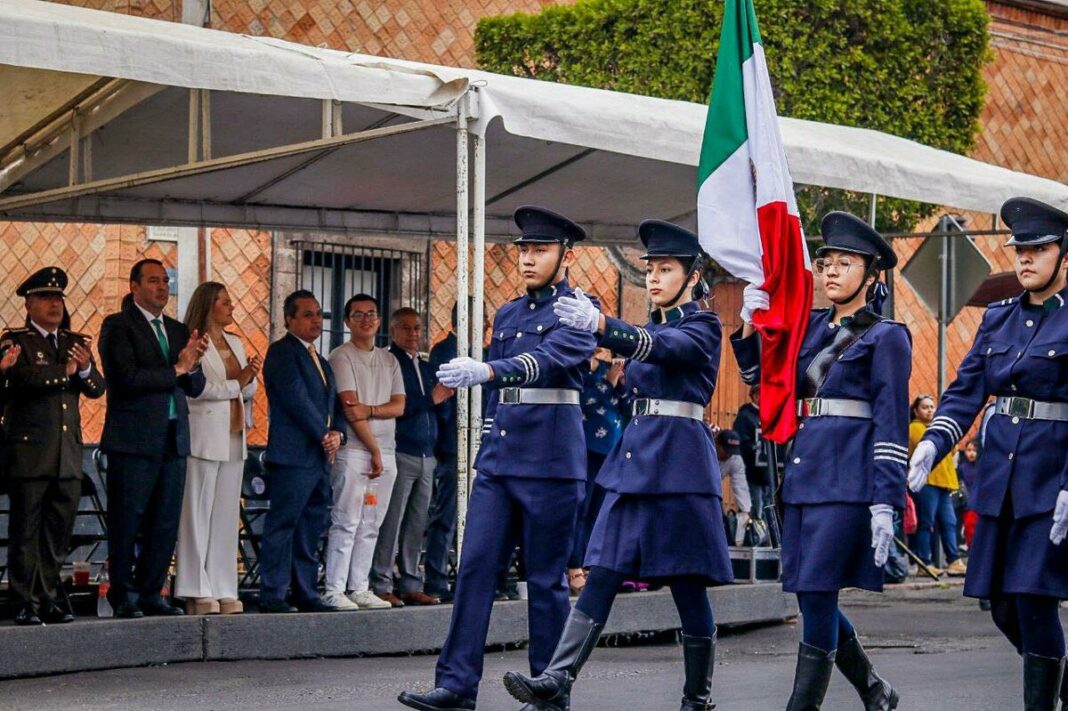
{"type": "Point", "coordinates": [824, 407]}
{"type": "Point", "coordinates": [671, 408]}
{"type": "Point", "coordinates": [538, 396]}
{"type": "Point", "coordinates": [1032, 409]}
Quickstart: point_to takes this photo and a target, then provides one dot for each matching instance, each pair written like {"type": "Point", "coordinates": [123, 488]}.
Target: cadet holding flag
{"type": "Point", "coordinates": [1018, 559]}
{"type": "Point", "coordinates": [531, 465]}
{"type": "Point", "coordinates": [661, 518]}
{"type": "Point", "coordinates": [846, 472]}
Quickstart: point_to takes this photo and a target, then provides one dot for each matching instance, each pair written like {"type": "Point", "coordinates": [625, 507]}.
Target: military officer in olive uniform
{"type": "Point", "coordinates": [43, 443]}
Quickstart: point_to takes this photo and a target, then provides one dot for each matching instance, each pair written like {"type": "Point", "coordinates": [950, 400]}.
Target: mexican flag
{"type": "Point", "coordinates": [747, 214]}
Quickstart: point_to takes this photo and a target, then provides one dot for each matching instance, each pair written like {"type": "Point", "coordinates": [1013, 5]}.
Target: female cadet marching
{"type": "Point", "coordinates": [1017, 559]}
{"type": "Point", "coordinates": [846, 472]}
{"type": "Point", "coordinates": [661, 516]}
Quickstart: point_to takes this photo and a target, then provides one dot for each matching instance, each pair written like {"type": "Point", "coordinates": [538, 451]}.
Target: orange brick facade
{"type": "Point", "coordinates": [1022, 129]}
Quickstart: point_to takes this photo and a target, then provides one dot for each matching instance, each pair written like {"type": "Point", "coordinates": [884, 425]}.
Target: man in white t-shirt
{"type": "Point", "coordinates": [371, 390]}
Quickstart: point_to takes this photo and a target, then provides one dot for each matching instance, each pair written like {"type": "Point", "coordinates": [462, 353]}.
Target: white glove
{"type": "Point", "coordinates": [882, 531]}
{"type": "Point", "coordinates": [920, 464]}
{"type": "Point", "coordinates": [1060, 519]}
{"type": "Point", "coordinates": [463, 373]}
{"type": "Point", "coordinates": [578, 312]}
{"type": "Point", "coordinates": [754, 299]}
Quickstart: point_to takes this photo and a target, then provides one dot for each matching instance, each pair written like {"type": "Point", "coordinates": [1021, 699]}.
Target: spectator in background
{"type": "Point", "coordinates": [758, 469]}
{"type": "Point", "coordinates": [968, 471]}
{"type": "Point", "coordinates": [602, 419]}
{"type": "Point", "coordinates": [409, 506]}
{"type": "Point", "coordinates": [731, 466]}
{"type": "Point", "coordinates": [304, 437]}
{"type": "Point", "coordinates": [151, 363]}
{"type": "Point", "coordinates": [371, 392]}
{"type": "Point", "coordinates": [934, 508]}
{"type": "Point", "coordinates": [207, 533]}
{"type": "Point", "coordinates": [441, 530]}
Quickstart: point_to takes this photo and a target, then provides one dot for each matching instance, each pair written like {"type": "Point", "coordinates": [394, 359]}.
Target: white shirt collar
{"type": "Point", "coordinates": [307, 344]}
{"type": "Point", "coordinates": [148, 315]}
{"type": "Point", "coordinates": [42, 331]}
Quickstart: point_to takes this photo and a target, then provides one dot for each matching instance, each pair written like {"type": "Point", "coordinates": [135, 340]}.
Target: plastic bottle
{"type": "Point", "coordinates": [103, 605]}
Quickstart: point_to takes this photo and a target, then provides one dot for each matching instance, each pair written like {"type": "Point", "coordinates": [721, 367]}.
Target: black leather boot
{"type": "Point", "coordinates": [551, 690]}
{"type": "Point", "coordinates": [699, 661]}
{"type": "Point", "coordinates": [813, 674]}
{"type": "Point", "coordinates": [1064, 692]}
{"type": "Point", "coordinates": [1042, 682]}
{"type": "Point", "coordinates": [853, 662]}
{"type": "Point", "coordinates": [436, 700]}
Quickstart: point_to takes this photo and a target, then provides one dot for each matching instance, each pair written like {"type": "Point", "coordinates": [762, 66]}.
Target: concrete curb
{"type": "Point", "coordinates": [91, 643]}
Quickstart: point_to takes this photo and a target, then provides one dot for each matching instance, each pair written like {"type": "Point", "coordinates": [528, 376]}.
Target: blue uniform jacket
{"type": "Point", "coordinates": [846, 459]}
{"type": "Point", "coordinates": [675, 360]}
{"type": "Point", "coordinates": [1019, 350]}
{"type": "Point", "coordinates": [532, 349]}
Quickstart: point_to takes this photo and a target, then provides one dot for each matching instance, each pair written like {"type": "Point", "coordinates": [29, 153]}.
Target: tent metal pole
{"type": "Point", "coordinates": [463, 331]}
{"type": "Point", "coordinates": [478, 278]}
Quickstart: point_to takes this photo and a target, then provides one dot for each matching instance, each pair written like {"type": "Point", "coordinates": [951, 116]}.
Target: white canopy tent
{"type": "Point", "coordinates": [120, 119]}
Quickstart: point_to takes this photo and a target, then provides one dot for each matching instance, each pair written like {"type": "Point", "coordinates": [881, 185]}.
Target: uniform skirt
{"type": "Point", "coordinates": [827, 547]}
{"type": "Point", "coordinates": [662, 536]}
{"type": "Point", "coordinates": [1015, 556]}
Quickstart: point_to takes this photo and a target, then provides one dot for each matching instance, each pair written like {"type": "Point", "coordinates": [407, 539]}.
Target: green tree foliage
{"type": "Point", "coordinates": [907, 67]}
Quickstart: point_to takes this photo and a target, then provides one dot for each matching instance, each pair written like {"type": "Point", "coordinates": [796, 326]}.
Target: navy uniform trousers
{"type": "Point", "coordinates": [539, 515]}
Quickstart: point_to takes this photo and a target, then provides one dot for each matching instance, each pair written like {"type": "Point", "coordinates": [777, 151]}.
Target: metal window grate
{"type": "Point", "coordinates": [335, 272]}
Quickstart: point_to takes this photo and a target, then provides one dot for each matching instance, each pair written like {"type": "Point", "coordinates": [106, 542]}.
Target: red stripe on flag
{"type": "Point", "coordinates": [788, 280]}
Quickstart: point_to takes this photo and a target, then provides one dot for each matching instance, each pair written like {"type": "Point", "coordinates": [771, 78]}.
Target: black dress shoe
{"type": "Point", "coordinates": [272, 606]}
{"type": "Point", "coordinates": [27, 616]}
{"type": "Point", "coordinates": [437, 700]}
{"type": "Point", "coordinates": [156, 606]}
{"type": "Point", "coordinates": [52, 613]}
{"type": "Point", "coordinates": [128, 611]}
{"type": "Point", "coordinates": [315, 606]}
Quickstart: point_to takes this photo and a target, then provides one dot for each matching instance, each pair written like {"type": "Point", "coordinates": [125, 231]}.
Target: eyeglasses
{"type": "Point", "coordinates": [363, 315]}
{"type": "Point", "coordinates": [842, 265]}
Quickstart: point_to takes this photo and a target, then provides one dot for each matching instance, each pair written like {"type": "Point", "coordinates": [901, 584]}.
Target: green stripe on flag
{"type": "Point", "coordinates": [725, 126]}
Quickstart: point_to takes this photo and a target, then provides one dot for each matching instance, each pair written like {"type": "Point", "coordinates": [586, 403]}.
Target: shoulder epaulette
{"type": "Point", "coordinates": [16, 331]}
{"type": "Point", "coordinates": [74, 333]}
{"type": "Point", "coordinates": [1004, 302]}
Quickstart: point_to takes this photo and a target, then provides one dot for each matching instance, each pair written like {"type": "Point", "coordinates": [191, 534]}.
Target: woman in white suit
{"type": "Point", "coordinates": [218, 420]}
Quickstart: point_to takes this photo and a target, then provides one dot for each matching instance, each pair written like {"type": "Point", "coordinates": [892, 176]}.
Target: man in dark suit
{"type": "Point", "coordinates": [44, 444]}
{"type": "Point", "coordinates": [305, 434]}
{"type": "Point", "coordinates": [151, 364]}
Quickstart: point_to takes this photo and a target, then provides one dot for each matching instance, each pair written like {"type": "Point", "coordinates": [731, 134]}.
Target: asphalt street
{"type": "Point", "coordinates": [939, 649]}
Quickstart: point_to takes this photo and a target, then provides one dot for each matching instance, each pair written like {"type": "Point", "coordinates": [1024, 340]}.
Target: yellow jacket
{"type": "Point", "coordinates": [944, 474]}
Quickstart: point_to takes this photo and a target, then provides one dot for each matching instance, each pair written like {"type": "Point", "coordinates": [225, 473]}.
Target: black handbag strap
{"type": "Point", "coordinates": [847, 335]}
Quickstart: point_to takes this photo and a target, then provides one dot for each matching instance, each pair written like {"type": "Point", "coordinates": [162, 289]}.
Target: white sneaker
{"type": "Point", "coordinates": [367, 600]}
{"type": "Point", "coordinates": [337, 601]}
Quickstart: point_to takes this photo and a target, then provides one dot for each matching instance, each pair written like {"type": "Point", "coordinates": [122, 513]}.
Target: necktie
{"type": "Point", "coordinates": [318, 365]}
{"type": "Point", "coordinates": [166, 348]}
{"type": "Point", "coordinates": [52, 342]}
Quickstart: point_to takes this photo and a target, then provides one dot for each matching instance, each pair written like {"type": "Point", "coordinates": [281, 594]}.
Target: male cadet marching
{"type": "Point", "coordinates": [531, 466]}
{"type": "Point", "coordinates": [43, 443]}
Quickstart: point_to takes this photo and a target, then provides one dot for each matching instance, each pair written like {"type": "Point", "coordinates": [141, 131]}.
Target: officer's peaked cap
{"type": "Point", "coordinates": [1033, 222]}
{"type": "Point", "coordinates": [663, 239]}
{"type": "Point", "coordinates": [844, 232]}
{"type": "Point", "coordinates": [541, 226]}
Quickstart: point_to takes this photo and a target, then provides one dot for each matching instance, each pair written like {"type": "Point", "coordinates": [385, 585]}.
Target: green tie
{"type": "Point", "coordinates": [165, 347]}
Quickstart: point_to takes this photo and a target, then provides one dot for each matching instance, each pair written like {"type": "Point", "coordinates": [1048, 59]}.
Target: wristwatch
{"type": "Point", "coordinates": [344, 437]}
